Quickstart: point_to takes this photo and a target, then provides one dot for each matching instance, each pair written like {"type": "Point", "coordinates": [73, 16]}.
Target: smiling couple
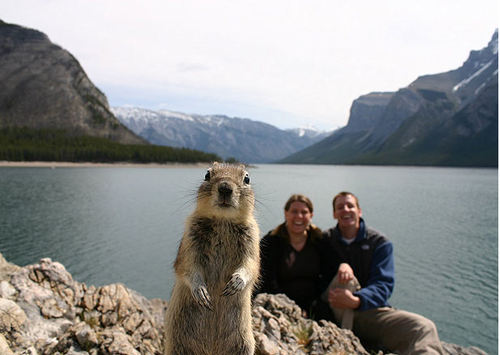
{"type": "Point", "coordinates": [345, 275]}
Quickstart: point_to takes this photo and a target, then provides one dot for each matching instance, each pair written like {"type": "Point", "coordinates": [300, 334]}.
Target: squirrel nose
{"type": "Point", "coordinates": [225, 189]}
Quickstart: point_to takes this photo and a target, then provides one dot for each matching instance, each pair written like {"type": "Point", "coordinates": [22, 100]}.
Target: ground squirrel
{"type": "Point", "coordinates": [216, 268]}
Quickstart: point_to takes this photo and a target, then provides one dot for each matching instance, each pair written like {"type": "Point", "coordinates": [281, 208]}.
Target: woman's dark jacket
{"type": "Point", "coordinates": [275, 249]}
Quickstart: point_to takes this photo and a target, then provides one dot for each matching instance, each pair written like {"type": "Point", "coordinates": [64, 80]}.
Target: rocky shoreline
{"type": "Point", "coordinates": [44, 311]}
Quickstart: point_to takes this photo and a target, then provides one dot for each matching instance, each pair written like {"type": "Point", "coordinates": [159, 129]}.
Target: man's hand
{"type": "Point", "coordinates": [342, 298]}
{"type": "Point", "coordinates": [345, 274]}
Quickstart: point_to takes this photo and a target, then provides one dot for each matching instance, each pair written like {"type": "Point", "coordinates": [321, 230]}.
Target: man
{"type": "Point", "coordinates": [370, 254]}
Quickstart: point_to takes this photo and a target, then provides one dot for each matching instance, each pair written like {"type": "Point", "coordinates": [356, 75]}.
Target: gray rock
{"type": "Point", "coordinates": [47, 312]}
{"type": "Point", "coordinates": [4, 346]}
{"type": "Point", "coordinates": [456, 349]}
{"type": "Point", "coordinates": [286, 332]}
{"type": "Point", "coordinates": [86, 336]}
{"type": "Point", "coordinates": [6, 290]}
{"type": "Point", "coordinates": [6, 268]}
{"type": "Point", "coordinates": [30, 351]}
{"type": "Point", "coordinates": [12, 317]}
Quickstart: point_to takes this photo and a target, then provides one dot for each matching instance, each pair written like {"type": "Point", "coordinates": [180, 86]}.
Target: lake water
{"type": "Point", "coordinates": [110, 225]}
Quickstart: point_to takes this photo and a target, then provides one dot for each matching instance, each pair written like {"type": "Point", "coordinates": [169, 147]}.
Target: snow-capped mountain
{"type": "Point", "coordinates": [240, 138]}
{"type": "Point", "coordinates": [449, 119]}
{"type": "Point", "coordinates": [480, 69]}
{"type": "Point", "coordinates": [310, 132]}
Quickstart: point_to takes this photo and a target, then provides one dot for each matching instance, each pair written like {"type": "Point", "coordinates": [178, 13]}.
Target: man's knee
{"type": "Point", "coordinates": [406, 332]}
{"type": "Point", "coordinates": [419, 323]}
{"type": "Point", "coordinates": [427, 327]}
{"type": "Point", "coordinates": [421, 336]}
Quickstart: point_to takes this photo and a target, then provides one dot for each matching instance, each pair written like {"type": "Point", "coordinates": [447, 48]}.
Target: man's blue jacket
{"type": "Point", "coordinates": [371, 257]}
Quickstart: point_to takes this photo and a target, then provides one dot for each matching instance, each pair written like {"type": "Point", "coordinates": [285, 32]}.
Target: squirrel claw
{"type": "Point", "coordinates": [202, 296]}
{"type": "Point", "coordinates": [235, 285]}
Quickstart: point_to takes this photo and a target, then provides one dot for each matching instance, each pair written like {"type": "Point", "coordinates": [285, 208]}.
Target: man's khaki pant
{"type": "Point", "coordinates": [396, 330]}
{"type": "Point", "coordinates": [399, 331]}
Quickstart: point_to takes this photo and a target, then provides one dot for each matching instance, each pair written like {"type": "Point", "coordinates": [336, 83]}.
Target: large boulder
{"type": "Point", "coordinates": [44, 311]}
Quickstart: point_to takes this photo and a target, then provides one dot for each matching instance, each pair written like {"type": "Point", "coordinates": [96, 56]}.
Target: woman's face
{"type": "Point", "coordinates": [298, 217]}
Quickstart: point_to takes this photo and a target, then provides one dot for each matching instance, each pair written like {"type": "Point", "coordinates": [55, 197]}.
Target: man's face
{"type": "Point", "coordinates": [347, 212]}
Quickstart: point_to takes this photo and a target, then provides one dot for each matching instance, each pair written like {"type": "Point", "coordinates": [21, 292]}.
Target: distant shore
{"type": "Point", "coordinates": [60, 164]}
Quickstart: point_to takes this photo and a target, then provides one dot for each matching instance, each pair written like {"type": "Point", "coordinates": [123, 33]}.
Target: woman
{"type": "Point", "coordinates": [292, 262]}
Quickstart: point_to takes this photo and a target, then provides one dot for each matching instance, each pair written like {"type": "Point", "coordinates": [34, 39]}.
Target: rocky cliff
{"type": "Point", "coordinates": [448, 119]}
{"type": "Point", "coordinates": [367, 111]}
{"type": "Point", "coordinates": [44, 311]}
{"type": "Point", "coordinates": [44, 86]}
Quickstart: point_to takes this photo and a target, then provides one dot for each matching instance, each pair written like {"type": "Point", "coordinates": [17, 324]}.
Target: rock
{"type": "Point", "coordinates": [6, 268]}
{"type": "Point", "coordinates": [266, 346]}
{"type": "Point", "coordinates": [287, 332]}
{"type": "Point", "coordinates": [455, 350]}
{"type": "Point", "coordinates": [4, 346]}
{"type": "Point", "coordinates": [73, 351]}
{"type": "Point", "coordinates": [12, 317]}
{"type": "Point", "coordinates": [46, 312]}
{"type": "Point", "coordinates": [86, 336]}
{"type": "Point", "coordinates": [6, 290]}
{"type": "Point", "coordinates": [117, 342]}
{"type": "Point", "coordinates": [30, 351]}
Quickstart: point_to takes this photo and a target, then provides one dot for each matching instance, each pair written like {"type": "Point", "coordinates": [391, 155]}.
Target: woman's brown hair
{"type": "Point", "coordinates": [299, 198]}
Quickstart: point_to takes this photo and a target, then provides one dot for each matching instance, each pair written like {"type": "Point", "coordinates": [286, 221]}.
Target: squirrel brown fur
{"type": "Point", "coordinates": [216, 268]}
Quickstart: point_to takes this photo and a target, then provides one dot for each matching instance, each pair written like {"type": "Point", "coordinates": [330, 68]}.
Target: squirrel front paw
{"type": "Point", "coordinates": [235, 285]}
{"type": "Point", "coordinates": [201, 295]}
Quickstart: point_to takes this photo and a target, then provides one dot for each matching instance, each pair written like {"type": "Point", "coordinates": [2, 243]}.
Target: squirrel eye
{"type": "Point", "coordinates": [207, 176]}
{"type": "Point", "coordinates": [246, 180]}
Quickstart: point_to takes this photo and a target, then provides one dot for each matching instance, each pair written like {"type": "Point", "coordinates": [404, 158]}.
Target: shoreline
{"type": "Point", "coordinates": [60, 164]}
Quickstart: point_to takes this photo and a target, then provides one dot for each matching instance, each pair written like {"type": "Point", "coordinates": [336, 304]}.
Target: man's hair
{"type": "Point", "coordinates": [299, 198]}
{"type": "Point", "coordinates": [344, 193]}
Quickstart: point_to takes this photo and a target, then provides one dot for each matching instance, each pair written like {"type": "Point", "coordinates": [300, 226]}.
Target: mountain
{"type": "Point", "coordinates": [42, 86]}
{"type": "Point", "coordinates": [240, 138]}
{"type": "Point", "coordinates": [446, 119]}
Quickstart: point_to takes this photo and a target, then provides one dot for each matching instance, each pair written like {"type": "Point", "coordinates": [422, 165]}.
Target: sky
{"type": "Point", "coordinates": [283, 62]}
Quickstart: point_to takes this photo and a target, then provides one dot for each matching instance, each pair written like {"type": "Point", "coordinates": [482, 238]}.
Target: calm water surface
{"type": "Point", "coordinates": [109, 225]}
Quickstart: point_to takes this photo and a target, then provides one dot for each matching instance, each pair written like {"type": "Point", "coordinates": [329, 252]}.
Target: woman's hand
{"type": "Point", "coordinates": [345, 274]}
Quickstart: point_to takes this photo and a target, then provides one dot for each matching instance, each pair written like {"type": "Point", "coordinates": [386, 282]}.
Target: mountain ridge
{"type": "Point", "coordinates": [51, 111]}
{"type": "Point", "coordinates": [44, 86]}
{"type": "Point", "coordinates": [243, 139]}
{"type": "Point", "coordinates": [395, 128]}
